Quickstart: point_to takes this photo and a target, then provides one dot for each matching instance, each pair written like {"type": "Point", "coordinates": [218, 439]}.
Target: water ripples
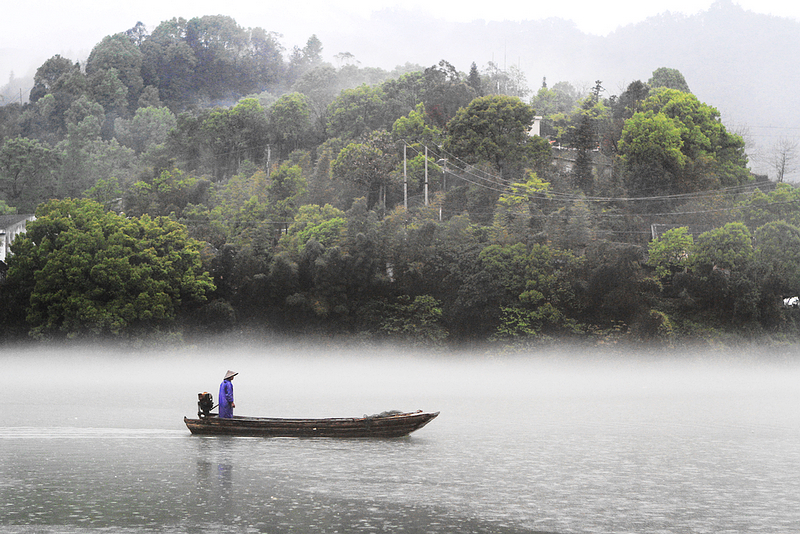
{"type": "Point", "coordinates": [562, 449]}
{"type": "Point", "coordinates": [60, 433]}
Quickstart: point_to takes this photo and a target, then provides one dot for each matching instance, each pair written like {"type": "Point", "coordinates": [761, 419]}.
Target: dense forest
{"type": "Point", "coordinates": [200, 180]}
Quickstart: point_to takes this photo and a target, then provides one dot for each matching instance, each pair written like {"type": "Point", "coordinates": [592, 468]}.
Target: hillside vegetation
{"type": "Point", "coordinates": [200, 179]}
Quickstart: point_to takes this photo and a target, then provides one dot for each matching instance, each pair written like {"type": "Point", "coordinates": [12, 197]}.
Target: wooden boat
{"type": "Point", "coordinates": [385, 425]}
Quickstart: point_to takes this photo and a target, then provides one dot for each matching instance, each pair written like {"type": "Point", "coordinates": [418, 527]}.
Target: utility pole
{"type": "Point", "coordinates": [443, 161]}
{"type": "Point", "coordinates": [444, 184]}
{"type": "Point", "coordinates": [426, 175]}
{"type": "Point", "coordinates": [405, 178]}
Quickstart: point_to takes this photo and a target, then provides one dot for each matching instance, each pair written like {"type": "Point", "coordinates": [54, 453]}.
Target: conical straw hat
{"type": "Point", "coordinates": [230, 374]}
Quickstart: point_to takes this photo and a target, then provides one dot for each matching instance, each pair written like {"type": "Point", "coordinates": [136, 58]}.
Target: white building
{"type": "Point", "coordinates": [10, 227]}
{"type": "Point", "coordinates": [536, 127]}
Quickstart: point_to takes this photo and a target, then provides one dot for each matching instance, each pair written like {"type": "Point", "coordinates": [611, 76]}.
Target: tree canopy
{"type": "Point", "coordinates": [494, 128]}
{"type": "Point", "coordinates": [669, 78]}
{"type": "Point", "coordinates": [677, 144]}
{"type": "Point", "coordinates": [201, 177]}
{"type": "Point", "coordinates": [92, 272]}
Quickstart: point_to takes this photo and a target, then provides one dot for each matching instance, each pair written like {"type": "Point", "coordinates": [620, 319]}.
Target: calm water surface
{"type": "Point", "coordinates": [572, 443]}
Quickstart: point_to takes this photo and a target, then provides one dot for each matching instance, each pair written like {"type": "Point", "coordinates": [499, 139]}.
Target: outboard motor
{"type": "Point", "coordinates": [205, 403]}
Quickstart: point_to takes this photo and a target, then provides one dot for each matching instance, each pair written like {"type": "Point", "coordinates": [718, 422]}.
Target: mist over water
{"type": "Point", "coordinates": [569, 441]}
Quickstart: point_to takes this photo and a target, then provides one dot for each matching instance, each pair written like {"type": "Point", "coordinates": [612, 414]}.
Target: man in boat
{"type": "Point", "coordinates": [226, 404]}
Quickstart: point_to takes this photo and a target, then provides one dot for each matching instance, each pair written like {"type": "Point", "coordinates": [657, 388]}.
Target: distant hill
{"type": "Point", "coordinates": [743, 63]}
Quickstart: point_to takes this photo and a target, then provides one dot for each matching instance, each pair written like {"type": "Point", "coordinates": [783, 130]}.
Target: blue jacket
{"type": "Point", "coordinates": [226, 399]}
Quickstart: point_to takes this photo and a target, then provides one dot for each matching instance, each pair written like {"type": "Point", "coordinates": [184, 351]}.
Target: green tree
{"type": "Point", "coordinates": [622, 109]}
{"type": "Point", "coordinates": [778, 256]}
{"type": "Point", "coordinates": [48, 75]}
{"type": "Point", "coordinates": [120, 54]}
{"type": "Point", "coordinates": [561, 99]}
{"type": "Point", "coordinates": [5, 209]}
{"type": "Point", "coordinates": [415, 167]}
{"type": "Point", "coordinates": [250, 129]}
{"type": "Point", "coordinates": [76, 151]}
{"type": "Point", "coordinates": [518, 215]}
{"type": "Point", "coordinates": [149, 98]}
{"type": "Point", "coordinates": [263, 60]}
{"type": "Point", "coordinates": [105, 191]}
{"type": "Point", "coordinates": [729, 248]}
{"type": "Point", "coordinates": [416, 320]}
{"type": "Point", "coordinates": [58, 83]}
{"type": "Point", "coordinates": [168, 63]}
{"type": "Point", "coordinates": [651, 147]}
{"type": "Point", "coordinates": [493, 128]}
{"type": "Point", "coordinates": [556, 105]}
{"type": "Point", "coordinates": [90, 272]}
{"type": "Point", "coordinates": [219, 141]}
{"type": "Point", "coordinates": [712, 150]}
{"type": "Point", "coordinates": [572, 227]}
{"type": "Point", "coordinates": [368, 165]}
{"type": "Point", "coordinates": [242, 187]}
{"type": "Point", "coordinates": [533, 294]}
{"type": "Point", "coordinates": [778, 205]}
{"type": "Point", "coordinates": [84, 156]}
{"type": "Point", "coordinates": [220, 45]}
{"type": "Point", "coordinates": [304, 59]}
{"type": "Point", "coordinates": [630, 101]}
{"type": "Point", "coordinates": [617, 290]}
{"type": "Point", "coordinates": [109, 92]}
{"type": "Point", "coordinates": [289, 122]}
{"type": "Point", "coordinates": [26, 172]}
{"type": "Point", "coordinates": [474, 79]}
{"type": "Point", "coordinates": [149, 126]}
{"type": "Point", "coordinates": [167, 193]}
{"type": "Point", "coordinates": [414, 129]}
{"type": "Point", "coordinates": [721, 281]}
{"type": "Point", "coordinates": [669, 78]}
{"type": "Point", "coordinates": [324, 225]}
{"type": "Point", "coordinates": [586, 137]}
{"type": "Point", "coordinates": [187, 141]}
{"type": "Point", "coordinates": [320, 86]}
{"type": "Point", "coordinates": [669, 253]}
{"type": "Point", "coordinates": [679, 145]}
{"type": "Point", "coordinates": [356, 112]}
{"type": "Point", "coordinates": [287, 187]}
{"type": "Point", "coordinates": [403, 94]}
{"type": "Point", "coordinates": [415, 132]}
{"type": "Point", "coordinates": [110, 159]}
{"type": "Point", "coordinates": [444, 93]}
{"type": "Point", "coordinates": [228, 137]}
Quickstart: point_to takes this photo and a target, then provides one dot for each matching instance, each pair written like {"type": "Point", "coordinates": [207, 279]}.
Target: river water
{"type": "Point", "coordinates": [94, 441]}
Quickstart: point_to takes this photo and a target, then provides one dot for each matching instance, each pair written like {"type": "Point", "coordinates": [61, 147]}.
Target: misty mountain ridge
{"type": "Point", "coordinates": [735, 60]}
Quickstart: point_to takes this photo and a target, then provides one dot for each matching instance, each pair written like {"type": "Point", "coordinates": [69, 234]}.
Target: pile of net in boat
{"type": "Point", "coordinates": [387, 413]}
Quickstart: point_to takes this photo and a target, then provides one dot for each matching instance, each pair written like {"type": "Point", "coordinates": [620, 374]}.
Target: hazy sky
{"type": "Point", "coordinates": [37, 29]}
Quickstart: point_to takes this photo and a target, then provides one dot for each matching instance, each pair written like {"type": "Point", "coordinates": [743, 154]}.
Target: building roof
{"type": "Point", "coordinates": [11, 220]}
{"type": "Point", "coordinates": [659, 229]}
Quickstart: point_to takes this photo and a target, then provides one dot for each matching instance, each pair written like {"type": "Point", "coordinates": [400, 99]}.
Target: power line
{"type": "Point", "coordinates": [493, 182]}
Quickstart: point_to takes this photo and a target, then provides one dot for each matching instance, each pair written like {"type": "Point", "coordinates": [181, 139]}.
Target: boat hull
{"type": "Point", "coordinates": [390, 426]}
